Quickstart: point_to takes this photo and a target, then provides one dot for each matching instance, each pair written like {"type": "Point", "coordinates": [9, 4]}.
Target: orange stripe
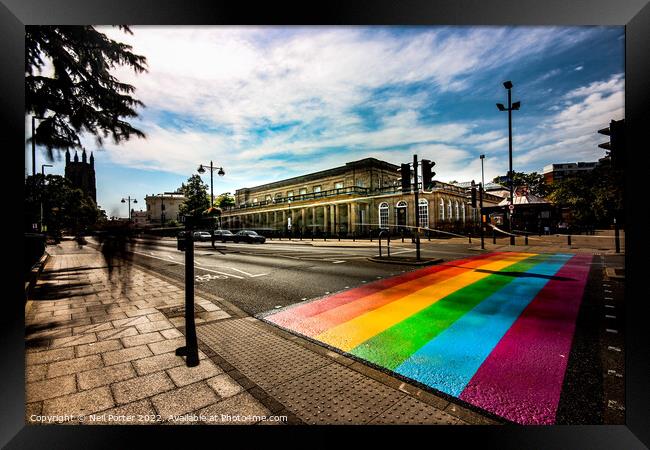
{"type": "Point", "coordinates": [319, 323]}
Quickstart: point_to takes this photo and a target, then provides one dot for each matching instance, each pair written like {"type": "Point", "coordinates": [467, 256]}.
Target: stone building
{"type": "Point", "coordinates": [355, 198]}
{"type": "Point", "coordinates": [81, 173]}
{"type": "Point", "coordinates": [164, 207]}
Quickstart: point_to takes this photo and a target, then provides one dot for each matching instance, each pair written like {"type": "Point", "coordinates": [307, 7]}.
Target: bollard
{"type": "Point", "coordinates": [353, 237]}
{"type": "Point", "coordinates": [568, 238]}
{"type": "Point", "coordinates": [190, 350]}
{"type": "Point", "coordinates": [402, 235]}
{"type": "Point", "coordinates": [494, 236]}
{"type": "Point", "coordinates": [470, 237]}
{"type": "Point", "coordinates": [525, 239]}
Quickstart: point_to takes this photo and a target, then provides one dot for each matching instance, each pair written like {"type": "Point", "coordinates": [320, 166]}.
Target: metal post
{"type": "Point", "coordinates": [480, 196]}
{"type": "Point", "coordinates": [494, 236]}
{"type": "Point", "coordinates": [190, 351]}
{"type": "Point", "coordinates": [616, 236]}
{"type": "Point", "coordinates": [512, 200]}
{"type": "Point", "coordinates": [568, 238]}
{"type": "Point", "coordinates": [33, 147]}
{"type": "Point", "coordinates": [417, 207]}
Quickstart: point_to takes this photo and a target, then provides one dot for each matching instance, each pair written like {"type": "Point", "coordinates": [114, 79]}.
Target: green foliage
{"type": "Point", "coordinates": [64, 208]}
{"type": "Point", "coordinates": [81, 96]}
{"type": "Point", "coordinates": [225, 200]}
{"type": "Point", "coordinates": [533, 181]}
{"type": "Point", "coordinates": [196, 196]}
{"type": "Point", "coordinates": [594, 197]}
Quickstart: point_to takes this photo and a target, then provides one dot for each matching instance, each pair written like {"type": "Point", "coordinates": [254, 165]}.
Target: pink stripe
{"type": "Point", "coordinates": [522, 378]}
{"type": "Point", "coordinates": [300, 312]}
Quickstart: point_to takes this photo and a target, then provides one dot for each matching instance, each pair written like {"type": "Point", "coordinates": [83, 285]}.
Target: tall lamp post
{"type": "Point", "coordinates": [511, 107]}
{"type": "Point", "coordinates": [221, 173]}
{"type": "Point", "coordinates": [34, 142]}
{"type": "Point", "coordinates": [162, 209]}
{"type": "Point", "coordinates": [129, 200]}
{"type": "Point", "coordinates": [43, 166]}
{"type": "Point", "coordinates": [480, 208]}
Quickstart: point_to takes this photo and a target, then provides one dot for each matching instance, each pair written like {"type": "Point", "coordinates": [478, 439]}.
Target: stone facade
{"type": "Point", "coordinates": [163, 207]}
{"type": "Point", "coordinates": [356, 198]}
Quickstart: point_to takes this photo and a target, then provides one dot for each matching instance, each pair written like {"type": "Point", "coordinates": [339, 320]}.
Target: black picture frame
{"type": "Point", "coordinates": [633, 14]}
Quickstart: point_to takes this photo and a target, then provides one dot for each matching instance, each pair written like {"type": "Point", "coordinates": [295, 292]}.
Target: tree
{"type": "Point", "coordinates": [225, 200]}
{"type": "Point", "coordinates": [593, 197]}
{"type": "Point", "coordinates": [196, 196]}
{"type": "Point", "coordinates": [63, 206]}
{"type": "Point", "coordinates": [81, 95]}
{"type": "Point", "coordinates": [533, 181]}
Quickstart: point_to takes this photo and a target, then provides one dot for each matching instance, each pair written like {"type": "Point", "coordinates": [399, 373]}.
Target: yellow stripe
{"type": "Point", "coordinates": [348, 335]}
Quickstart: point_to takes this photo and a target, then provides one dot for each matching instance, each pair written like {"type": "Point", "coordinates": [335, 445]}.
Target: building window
{"type": "Point", "coordinates": [316, 188]}
{"type": "Point", "coordinates": [302, 191]}
{"type": "Point", "coordinates": [462, 211]}
{"type": "Point", "coordinates": [424, 213]}
{"type": "Point", "coordinates": [361, 183]}
{"type": "Point", "coordinates": [338, 185]}
{"type": "Point", "coordinates": [441, 209]}
{"type": "Point", "coordinates": [383, 215]}
{"type": "Point", "coordinates": [255, 200]}
{"type": "Point", "coordinates": [457, 211]}
{"type": "Point", "coordinates": [290, 194]}
{"type": "Point", "coordinates": [268, 197]}
{"type": "Point", "coordinates": [449, 213]}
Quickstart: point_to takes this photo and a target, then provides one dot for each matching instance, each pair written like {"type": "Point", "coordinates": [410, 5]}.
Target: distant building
{"type": "Point", "coordinates": [558, 172]}
{"type": "Point", "coordinates": [490, 188]}
{"type": "Point", "coordinates": [164, 207]}
{"type": "Point", "coordinates": [139, 218]}
{"type": "Point", "coordinates": [356, 198]}
{"type": "Point", "coordinates": [81, 173]}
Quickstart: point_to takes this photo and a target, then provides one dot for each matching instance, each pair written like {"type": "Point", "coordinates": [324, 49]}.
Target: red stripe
{"type": "Point", "coordinates": [291, 316]}
{"type": "Point", "coordinates": [522, 377]}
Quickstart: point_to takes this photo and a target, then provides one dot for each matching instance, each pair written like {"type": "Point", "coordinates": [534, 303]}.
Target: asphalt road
{"type": "Point", "coordinates": [261, 277]}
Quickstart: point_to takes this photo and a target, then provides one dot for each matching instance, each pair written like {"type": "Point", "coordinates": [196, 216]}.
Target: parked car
{"type": "Point", "coordinates": [223, 235]}
{"type": "Point", "coordinates": [249, 236]}
{"type": "Point", "coordinates": [202, 236]}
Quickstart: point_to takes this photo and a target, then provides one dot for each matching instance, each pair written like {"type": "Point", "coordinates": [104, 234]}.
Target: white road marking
{"type": "Point", "coordinates": [609, 298]}
{"type": "Point", "coordinates": [249, 274]}
{"type": "Point", "coordinates": [337, 262]}
{"type": "Point", "coordinates": [609, 306]}
{"type": "Point", "coordinates": [609, 330]}
{"type": "Point", "coordinates": [609, 316]}
{"type": "Point", "coordinates": [182, 264]}
{"type": "Point", "coordinates": [615, 349]}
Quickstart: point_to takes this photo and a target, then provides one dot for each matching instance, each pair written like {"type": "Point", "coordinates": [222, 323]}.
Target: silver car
{"type": "Point", "coordinates": [202, 236]}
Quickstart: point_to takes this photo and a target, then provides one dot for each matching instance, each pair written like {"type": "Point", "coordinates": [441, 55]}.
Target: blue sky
{"type": "Point", "coordinates": [268, 103]}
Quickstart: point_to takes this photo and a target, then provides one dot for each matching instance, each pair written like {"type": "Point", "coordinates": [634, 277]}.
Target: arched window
{"type": "Point", "coordinates": [457, 211]}
{"type": "Point", "coordinates": [449, 212]}
{"type": "Point", "coordinates": [462, 211]}
{"type": "Point", "coordinates": [424, 213]}
{"type": "Point", "coordinates": [441, 209]}
{"type": "Point", "coordinates": [383, 215]}
{"type": "Point", "coordinates": [401, 204]}
{"type": "Point", "coordinates": [401, 209]}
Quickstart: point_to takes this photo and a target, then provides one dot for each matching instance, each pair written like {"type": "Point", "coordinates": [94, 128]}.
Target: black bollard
{"type": "Point", "coordinates": [568, 238]}
{"type": "Point", "coordinates": [525, 239]}
{"type": "Point", "coordinates": [190, 351]}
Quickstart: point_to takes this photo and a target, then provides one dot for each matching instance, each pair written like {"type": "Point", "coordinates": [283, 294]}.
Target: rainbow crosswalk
{"type": "Point", "coordinates": [494, 330]}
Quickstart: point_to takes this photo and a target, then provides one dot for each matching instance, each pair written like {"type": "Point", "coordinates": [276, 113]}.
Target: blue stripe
{"type": "Point", "coordinates": [450, 360]}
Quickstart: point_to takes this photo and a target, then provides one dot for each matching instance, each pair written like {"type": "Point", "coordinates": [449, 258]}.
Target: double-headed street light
{"type": "Point", "coordinates": [129, 200]}
{"type": "Point", "coordinates": [34, 142]}
{"type": "Point", "coordinates": [220, 172]}
{"type": "Point", "coordinates": [511, 107]}
{"type": "Point", "coordinates": [43, 166]}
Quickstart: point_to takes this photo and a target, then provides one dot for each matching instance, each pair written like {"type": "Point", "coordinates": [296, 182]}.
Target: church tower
{"type": "Point", "coordinates": [81, 173]}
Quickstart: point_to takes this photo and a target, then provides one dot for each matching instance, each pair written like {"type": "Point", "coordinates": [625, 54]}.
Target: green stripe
{"type": "Point", "coordinates": [394, 345]}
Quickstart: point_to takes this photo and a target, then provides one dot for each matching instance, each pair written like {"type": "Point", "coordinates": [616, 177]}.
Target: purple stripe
{"type": "Point", "coordinates": [522, 378]}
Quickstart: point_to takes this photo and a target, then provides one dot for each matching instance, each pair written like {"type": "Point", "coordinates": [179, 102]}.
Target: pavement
{"type": "Point", "coordinates": [100, 349]}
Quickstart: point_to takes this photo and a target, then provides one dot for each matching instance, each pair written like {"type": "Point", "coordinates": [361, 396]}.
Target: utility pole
{"type": "Point", "coordinates": [417, 207]}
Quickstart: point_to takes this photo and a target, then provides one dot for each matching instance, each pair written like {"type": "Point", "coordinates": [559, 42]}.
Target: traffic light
{"type": "Point", "coordinates": [405, 171]}
{"type": "Point", "coordinates": [427, 173]}
{"type": "Point", "coordinates": [616, 144]}
{"type": "Point", "coordinates": [473, 195]}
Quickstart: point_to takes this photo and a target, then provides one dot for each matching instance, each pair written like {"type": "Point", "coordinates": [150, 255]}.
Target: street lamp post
{"type": "Point", "coordinates": [129, 200]}
{"type": "Point", "coordinates": [34, 143]}
{"type": "Point", "coordinates": [221, 173]}
{"type": "Point", "coordinates": [481, 189]}
{"type": "Point", "coordinates": [162, 209]}
{"type": "Point", "coordinates": [511, 107]}
{"type": "Point", "coordinates": [43, 166]}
